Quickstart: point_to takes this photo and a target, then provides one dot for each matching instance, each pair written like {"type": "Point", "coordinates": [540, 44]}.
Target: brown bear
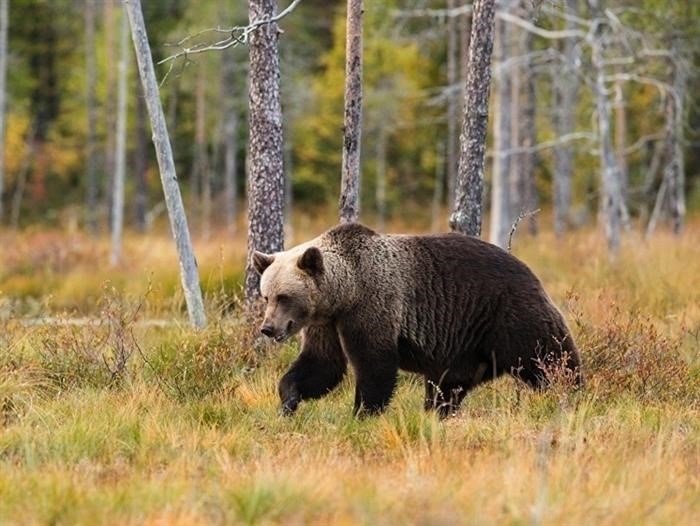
{"type": "Point", "coordinates": [453, 308]}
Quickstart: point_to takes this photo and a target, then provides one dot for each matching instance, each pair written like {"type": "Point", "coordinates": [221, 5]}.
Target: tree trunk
{"type": "Point", "coordinates": [266, 163]}
{"type": "Point", "coordinates": [611, 194]}
{"type": "Point", "coordinates": [381, 179]}
{"type": "Point", "coordinates": [120, 153]}
{"type": "Point", "coordinates": [466, 217]}
{"type": "Point", "coordinates": [140, 164]}
{"type": "Point", "coordinates": [4, 12]}
{"type": "Point", "coordinates": [525, 128]}
{"type": "Point", "coordinates": [566, 88]}
{"type": "Point", "coordinates": [621, 138]}
{"type": "Point", "coordinates": [164, 153]}
{"type": "Point", "coordinates": [452, 101]}
{"type": "Point", "coordinates": [501, 216]}
{"type": "Point", "coordinates": [674, 172]}
{"type": "Point", "coordinates": [90, 77]}
{"type": "Point", "coordinates": [228, 72]}
{"type": "Point", "coordinates": [110, 109]}
{"type": "Point", "coordinates": [352, 123]}
{"type": "Point", "coordinates": [465, 28]}
{"type": "Point", "coordinates": [21, 181]}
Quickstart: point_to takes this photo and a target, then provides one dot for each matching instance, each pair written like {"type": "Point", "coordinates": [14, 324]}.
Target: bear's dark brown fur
{"type": "Point", "coordinates": [450, 307]}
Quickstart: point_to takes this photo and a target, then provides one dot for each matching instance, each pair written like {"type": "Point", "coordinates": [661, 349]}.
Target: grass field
{"type": "Point", "coordinates": [113, 421]}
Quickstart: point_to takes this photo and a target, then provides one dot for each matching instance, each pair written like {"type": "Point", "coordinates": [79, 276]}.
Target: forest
{"type": "Point", "coordinates": [149, 147]}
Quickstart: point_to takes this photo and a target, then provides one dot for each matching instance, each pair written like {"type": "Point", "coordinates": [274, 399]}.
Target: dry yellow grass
{"type": "Point", "coordinates": [188, 432]}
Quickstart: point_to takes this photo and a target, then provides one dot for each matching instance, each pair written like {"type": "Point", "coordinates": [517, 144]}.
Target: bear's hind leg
{"type": "Point", "coordinates": [318, 370]}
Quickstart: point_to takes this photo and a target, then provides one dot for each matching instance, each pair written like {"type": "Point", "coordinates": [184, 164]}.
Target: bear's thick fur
{"type": "Point", "coordinates": [450, 307]}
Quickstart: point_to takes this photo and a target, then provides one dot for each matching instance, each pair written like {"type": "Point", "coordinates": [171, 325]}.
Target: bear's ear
{"type": "Point", "coordinates": [262, 261]}
{"type": "Point", "coordinates": [311, 261]}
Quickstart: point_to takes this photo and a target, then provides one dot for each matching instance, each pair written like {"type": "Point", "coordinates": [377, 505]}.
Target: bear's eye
{"type": "Point", "coordinates": [265, 298]}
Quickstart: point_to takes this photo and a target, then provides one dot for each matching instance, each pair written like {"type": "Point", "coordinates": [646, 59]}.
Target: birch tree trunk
{"type": "Point", "coordinates": [4, 12]}
{"type": "Point", "coordinates": [566, 88]}
{"type": "Point", "coordinates": [501, 216]}
{"type": "Point", "coordinates": [674, 172]}
{"type": "Point", "coordinates": [228, 72]}
{"type": "Point", "coordinates": [140, 164]}
{"type": "Point", "coordinates": [120, 153]}
{"type": "Point", "coordinates": [352, 122]}
{"type": "Point", "coordinates": [110, 109]}
{"type": "Point", "coordinates": [265, 155]}
{"type": "Point", "coordinates": [91, 161]}
{"type": "Point", "coordinates": [523, 164]}
{"type": "Point", "coordinates": [452, 102]}
{"type": "Point", "coordinates": [621, 138]}
{"type": "Point", "coordinates": [611, 194]}
{"type": "Point", "coordinates": [466, 217]}
{"type": "Point", "coordinates": [164, 153]}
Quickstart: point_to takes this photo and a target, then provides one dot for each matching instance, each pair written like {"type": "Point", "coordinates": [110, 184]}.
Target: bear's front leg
{"type": "Point", "coordinates": [374, 389]}
{"type": "Point", "coordinates": [318, 370]}
{"type": "Point", "coordinates": [374, 356]}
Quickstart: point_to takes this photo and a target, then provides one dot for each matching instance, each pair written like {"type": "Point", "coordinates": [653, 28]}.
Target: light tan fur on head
{"type": "Point", "coordinates": [288, 287]}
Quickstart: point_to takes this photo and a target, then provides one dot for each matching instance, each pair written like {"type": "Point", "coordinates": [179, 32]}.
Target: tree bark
{"type": "Point", "coordinates": [110, 110]}
{"type": "Point", "coordinates": [501, 216]}
{"type": "Point", "coordinates": [452, 102]}
{"type": "Point", "coordinates": [140, 165]}
{"type": "Point", "coordinates": [674, 172]}
{"type": "Point", "coordinates": [525, 133]}
{"type": "Point", "coordinates": [266, 163]}
{"type": "Point", "coordinates": [228, 72]}
{"type": "Point", "coordinates": [120, 153]}
{"type": "Point", "coordinates": [566, 88]}
{"type": "Point", "coordinates": [611, 194]}
{"type": "Point", "coordinates": [91, 161]}
{"type": "Point", "coordinates": [621, 138]}
{"type": "Point", "coordinates": [161, 141]}
{"type": "Point", "coordinates": [4, 12]}
{"type": "Point", "coordinates": [352, 123]}
{"type": "Point", "coordinates": [466, 217]}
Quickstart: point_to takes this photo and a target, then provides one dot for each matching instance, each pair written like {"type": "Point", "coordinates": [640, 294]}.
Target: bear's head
{"type": "Point", "coordinates": [289, 286]}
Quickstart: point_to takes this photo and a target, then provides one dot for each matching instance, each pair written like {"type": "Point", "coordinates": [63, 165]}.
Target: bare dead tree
{"type": "Point", "coordinates": [140, 164]}
{"type": "Point", "coordinates": [90, 142]}
{"type": "Point", "coordinates": [452, 102]}
{"type": "Point", "coordinates": [120, 154]}
{"type": "Point", "coordinates": [611, 194]}
{"type": "Point", "coordinates": [4, 12]}
{"type": "Point", "coordinates": [352, 122]}
{"type": "Point", "coordinates": [265, 149]}
{"type": "Point", "coordinates": [438, 188]}
{"type": "Point", "coordinates": [502, 129]}
{"type": "Point", "coordinates": [674, 172]}
{"type": "Point", "coordinates": [466, 217]}
{"type": "Point", "coordinates": [110, 108]}
{"type": "Point", "coordinates": [566, 87]}
{"type": "Point", "coordinates": [161, 141]}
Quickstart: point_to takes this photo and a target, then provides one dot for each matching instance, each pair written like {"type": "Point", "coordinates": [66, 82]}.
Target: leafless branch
{"type": "Point", "coordinates": [539, 31]}
{"type": "Point", "coordinates": [522, 215]}
{"type": "Point", "coordinates": [236, 35]}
